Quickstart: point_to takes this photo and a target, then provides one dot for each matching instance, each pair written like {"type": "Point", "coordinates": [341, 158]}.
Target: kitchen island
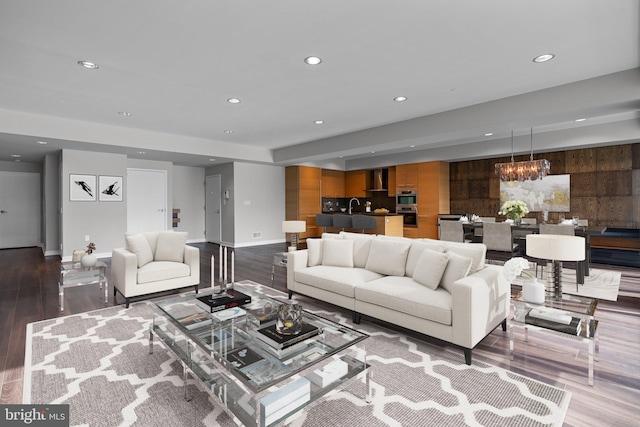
{"type": "Point", "coordinates": [388, 224]}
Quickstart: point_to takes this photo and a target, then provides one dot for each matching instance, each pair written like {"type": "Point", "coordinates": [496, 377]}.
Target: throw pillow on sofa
{"type": "Point", "coordinates": [388, 256]}
{"type": "Point", "coordinates": [416, 250]}
{"type": "Point", "coordinates": [171, 246]}
{"type": "Point", "coordinates": [430, 268]}
{"type": "Point", "coordinates": [337, 253]}
{"type": "Point", "coordinates": [314, 254]}
{"type": "Point", "coordinates": [139, 245]}
{"type": "Point", "coordinates": [458, 267]}
{"type": "Point", "coordinates": [361, 247]}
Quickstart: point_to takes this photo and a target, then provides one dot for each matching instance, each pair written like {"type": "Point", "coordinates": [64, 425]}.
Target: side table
{"type": "Point", "coordinates": [74, 274]}
{"type": "Point", "coordinates": [279, 260]}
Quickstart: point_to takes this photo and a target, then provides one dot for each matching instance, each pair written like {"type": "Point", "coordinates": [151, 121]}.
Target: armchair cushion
{"type": "Point", "coordinates": [171, 246]}
{"type": "Point", "coordinates": [139, 245]}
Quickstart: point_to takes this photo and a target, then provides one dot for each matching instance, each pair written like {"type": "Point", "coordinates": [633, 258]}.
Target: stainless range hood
{"type": "Point", "coordinates": [379, 179]}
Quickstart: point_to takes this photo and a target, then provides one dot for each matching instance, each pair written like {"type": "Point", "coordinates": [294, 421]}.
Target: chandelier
{"type": "Point", "coordinates": [525, 170]}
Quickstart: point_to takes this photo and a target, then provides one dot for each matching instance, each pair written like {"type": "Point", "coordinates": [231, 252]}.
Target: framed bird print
{"type": "Point", "coordinates": [110, 188]}
{"type": "Point", "coordinates": [82, 188]}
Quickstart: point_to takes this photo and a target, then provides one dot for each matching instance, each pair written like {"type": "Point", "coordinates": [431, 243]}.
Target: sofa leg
{"type": "Point", "coordinates": [467, 356]}
{"type": "Point", "coordinates": [356, 317]}
{"type": "Point", "coordinates": [128, 300]}
{"type": "Point", "coordinates": [504, 325]}
{"type": "Point", "coordinates": [196, 288]}
{"type": "Point", "coordinates": [290, 294]}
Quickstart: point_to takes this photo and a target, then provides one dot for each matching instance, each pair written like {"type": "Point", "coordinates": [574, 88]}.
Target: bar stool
{"type": "Point", "coordinates": [342, 221]}
{"type": "Point", "coordinates": [324, 220]}
{"type": "Point", "coordinates": [364, 222]}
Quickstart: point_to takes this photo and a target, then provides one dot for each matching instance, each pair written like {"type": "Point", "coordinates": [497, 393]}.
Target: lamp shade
{"type": "Point", "coordinates": [556, 247]}
{"type": "Point", "coordinates": [294, 226]}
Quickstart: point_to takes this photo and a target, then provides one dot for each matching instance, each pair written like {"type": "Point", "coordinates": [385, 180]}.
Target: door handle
{"type": "Point", "coordinates": [1, 212]}
{"type": "Point", "coordinates": [160, 210]}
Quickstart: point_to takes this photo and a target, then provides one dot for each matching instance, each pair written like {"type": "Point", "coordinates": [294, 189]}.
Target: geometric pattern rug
{"type": "Point", "coordinates": [98, 363]}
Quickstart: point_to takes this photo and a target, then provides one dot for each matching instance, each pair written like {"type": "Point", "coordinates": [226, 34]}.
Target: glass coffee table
{"type": "Point", "coordinates": [258, 384]}
{"type": "Point", "coordinates": [570, 316]}
{"type": "Point", "coordinates": [74, 274]}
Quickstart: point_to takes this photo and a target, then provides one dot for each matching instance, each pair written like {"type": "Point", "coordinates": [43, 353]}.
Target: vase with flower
{"type": "Point", "coordinates": [533, 291]}
{"type": "Point", "coordinates": [514, 210]}
{"type": "Point", "coordinates": [89, 259]}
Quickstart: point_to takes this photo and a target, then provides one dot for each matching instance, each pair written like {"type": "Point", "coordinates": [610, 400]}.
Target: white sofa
{"type": "Point", "coordinates": [154, 262]}
{"type": "Point", "coordinates": [441, 289]}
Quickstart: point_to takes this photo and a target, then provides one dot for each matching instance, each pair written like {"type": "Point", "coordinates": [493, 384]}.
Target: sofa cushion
{"type": "Point", "coordinates": [430, 268]}
{"type": "Point", "coordinates": [416, 250]}
{"type": "Point", "coordinates": [331, 236]}
{"type": "Point", "coordinates": [139, 245]}
{"type": "Point", "coordinates": [171, 246]}
{"type": "Point", "coordinates": [314, 255]}
{"type": "Point", "coordinates": [403, 294]}
{"type": "Point", "coordinates": [476, 251]}
{"type": "Point", "coordinates": [162, 270]}
{"type": "Point", "coordinates": [337, 253]}
{"type": "Point", "coordinates": [339, 280]}
{"type": "Point", "coordinates": [457, 268]}
{"type": "Point", "coordinates": [361, 247]}
{"type": "Point", "coordinates": [388, 256]}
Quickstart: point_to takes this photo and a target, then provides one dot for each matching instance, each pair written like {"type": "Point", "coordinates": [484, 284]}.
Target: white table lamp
{"type": "Point", "coordinates": [294, 227]}
{"type": "Point", "coordinates": [556, 248]}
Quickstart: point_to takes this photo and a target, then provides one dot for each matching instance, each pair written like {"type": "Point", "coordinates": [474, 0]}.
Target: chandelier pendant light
{"type": "Point", "coordinates": [525, 170]}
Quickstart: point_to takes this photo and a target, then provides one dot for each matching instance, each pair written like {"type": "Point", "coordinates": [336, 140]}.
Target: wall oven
{"type": "Point", "coordinates": [406, 198]}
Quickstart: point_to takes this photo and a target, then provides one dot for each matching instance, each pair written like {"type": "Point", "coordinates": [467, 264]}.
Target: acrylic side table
{"type": "Point", "coordinates": [74, 274]}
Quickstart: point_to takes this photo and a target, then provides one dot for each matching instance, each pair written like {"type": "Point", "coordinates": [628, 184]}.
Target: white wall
{"type": "Point", "coordinates": [51, 205]}
{"type": "Point", "coordinates": [259, 204]}
{"type": "Point", "coordinates": [227, 210]}
{"type": "Point", "coordinates": [189, 197]}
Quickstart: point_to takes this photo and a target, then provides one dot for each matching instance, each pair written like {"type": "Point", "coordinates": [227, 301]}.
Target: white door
{"type": "Point", "coordinates": [213, 219]}
{"type": "Point", "coordinates": [19, 209]}
{"type": "Point", "coordinates": [146, 200]}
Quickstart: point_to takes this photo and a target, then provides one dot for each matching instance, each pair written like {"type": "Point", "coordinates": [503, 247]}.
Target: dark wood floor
{"type": "Point", "coordinates": [29, 292]}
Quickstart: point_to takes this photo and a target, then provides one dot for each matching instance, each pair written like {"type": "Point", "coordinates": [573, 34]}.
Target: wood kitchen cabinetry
{"type": "Point", "coordinates": [333, 183]}
{"type": "Point", "coordinates": [406, 176]}
{"type": "Point", "coordinates": [302, 197]}
{"type": "Point", "coordinates": [391, 181]}
{"type": "Point", "coordinates": [357, 182]}
{"type": "Point", "coordinates": [433, 196]}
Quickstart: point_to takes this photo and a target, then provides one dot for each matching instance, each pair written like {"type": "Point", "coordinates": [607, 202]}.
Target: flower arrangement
{"type": "Point", "coordinates": [514, 209]}
{"type": "Point", "coordinates": [514, 267]}
{"type": "Point", "coordinates": [90, 248]}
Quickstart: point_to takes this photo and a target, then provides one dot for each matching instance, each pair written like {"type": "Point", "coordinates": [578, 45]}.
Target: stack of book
{"type": "Point", "coordinates": [284, 400]}
{"type": "Point", "coordinates": [270, 335]}
{"type": "Point", "coordinates": [231, 298]}
{"type": "Point", "coordinates": [195, 320]}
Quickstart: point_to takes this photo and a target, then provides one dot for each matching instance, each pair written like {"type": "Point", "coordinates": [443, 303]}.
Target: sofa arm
{"type": "Point", "coordinates": [124, 270]}
{"type": "Point", "coordinates": [296, 260]}
{"type": "Point", "coordinates": [192, 259]}
{"type": "Point", "coordinates": [480, 303]}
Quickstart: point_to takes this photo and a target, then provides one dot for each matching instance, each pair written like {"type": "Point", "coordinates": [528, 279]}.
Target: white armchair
{"type": "Point", "coordinates": [154, 262]}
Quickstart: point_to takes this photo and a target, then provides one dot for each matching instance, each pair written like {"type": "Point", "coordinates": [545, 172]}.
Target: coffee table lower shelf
{"type": "Point", "coordinates": [240, 402]}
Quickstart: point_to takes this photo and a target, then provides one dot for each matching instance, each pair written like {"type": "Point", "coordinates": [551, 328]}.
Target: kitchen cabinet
{"type": "Point", "coordinates": [433, 196]}
{"type": "Point", "coordinates": [357, 183]}
{"type": "Point", "coordinates": [333, 183]}
{"type": "Point", "coordinates": [406, 176]}
{"type": "Point", "coordinates": [391, 181]}
{"type": "Point", "coordinates": [302, 197]}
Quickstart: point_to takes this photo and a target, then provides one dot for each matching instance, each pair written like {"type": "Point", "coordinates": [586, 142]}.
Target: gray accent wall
{"type": "Point", "coordinates": [189, 197]}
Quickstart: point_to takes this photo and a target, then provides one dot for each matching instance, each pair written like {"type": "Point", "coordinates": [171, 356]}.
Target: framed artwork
{"type": "Point", "coordinates": [82, 188]}
{"type": "Point", "coordinates": [110, 188]}
{"type": "Point", "coordinates": [552, 193]}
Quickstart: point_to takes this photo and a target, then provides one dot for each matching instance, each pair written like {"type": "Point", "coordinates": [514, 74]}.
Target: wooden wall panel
{"type": "Point", "coordinates": [585, 208]}
{"type": "Point", "coordinates": [635, 182]}
{"type": "Point", "coordinates": [479, 188]}
{"type": "Point", "coordinates": [584, 184]}
{"type": "Point", "coordinates": [614, 183]}
{"type": "Point", "coordinates": [635, 154]}
{"type": "Point", "coordinates": [481, 169]}
{"type": "Point", "coordinates": [459, 189]}
{"type": "Point", "coordinates": [614, 158]}
{"type": "Point", "coordinates": [615, 211]}
{"type": "Point", "coordinates": [580, 161]}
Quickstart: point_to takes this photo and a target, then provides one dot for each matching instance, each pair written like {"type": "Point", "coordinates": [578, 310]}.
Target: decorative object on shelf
{"type": "Point", "coordinates": [294, 227]}
{"type": "Point", "coordinates": [289, 319]}
{"type": "Point", "coordinates": [514, 210]}
{"type": "Point", "coordinates": [77, 255]}
{"type": "Point", "coordinates": [556, 248]}
{"type": "Point", "coordinates": [89, 259]}
{"type": "Point", "coordinates": [532, 290]}
{"type": "Point", "coordinates": [367, 206]}
{"type": "Point", "coordinates": [525, 170]}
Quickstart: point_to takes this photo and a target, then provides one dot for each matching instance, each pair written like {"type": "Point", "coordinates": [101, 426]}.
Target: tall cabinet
{"type": "Point", "coordinates": [303, 198]}
{"type": "Point", "coordinates": [433, 196]}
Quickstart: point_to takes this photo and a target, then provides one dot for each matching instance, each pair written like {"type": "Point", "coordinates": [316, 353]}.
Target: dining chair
{"type": "Point", "coordinates": [452, 231]}
{"type": "Point", "coordinates": [478, 231]}
{"type": "Point", "coordinates": [563, 229]}
{"type": "Point", "coordinates": [498, 238]}
{"type": "Point", "coordinates": [529, 221]}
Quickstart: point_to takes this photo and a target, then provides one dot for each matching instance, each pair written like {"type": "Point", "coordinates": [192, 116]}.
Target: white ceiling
{"type": "Point", "coordinates": [465, 66]}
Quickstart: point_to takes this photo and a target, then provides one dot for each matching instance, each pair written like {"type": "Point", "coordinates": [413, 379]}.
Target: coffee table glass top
{"type": "Point", "coordinates": [233, 344]}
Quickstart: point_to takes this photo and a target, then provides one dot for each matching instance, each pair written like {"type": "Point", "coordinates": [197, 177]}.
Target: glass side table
{"type": "Point", "coordinates": [74, 274]}
{"type": "Point", "coordinates": [279, 260]}
{"type": "Point", "coordinates": [569, 316]}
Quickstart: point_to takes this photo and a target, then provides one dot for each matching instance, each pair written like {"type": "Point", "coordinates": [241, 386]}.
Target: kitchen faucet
{"type": "Point", "coordinates": [352, 201]}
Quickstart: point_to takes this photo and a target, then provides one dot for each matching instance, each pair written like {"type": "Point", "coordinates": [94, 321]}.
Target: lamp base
{"type": "Point", "coordinates": [554, 280]}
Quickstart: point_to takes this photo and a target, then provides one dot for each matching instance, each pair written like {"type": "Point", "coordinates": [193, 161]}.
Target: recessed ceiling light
{"type": "Point", "coordinates": [318, 122]}
{"type": "Point", "coordinates": [89, 65]}
{"type": "Point", "coordinates": [124, 113]}
{"type": "Point", "coordinates": [544, 58]}
{"type": "Point", "coordinates": [228, 131]}
{"type": "Point", "coordinates": [142, 152]}
{"type": "Point", "coordinates": [233, 101]}
{"type": "Point", "coordinates": [212, 160]}
{"type": "Point", "coordinates": [400, 98]}
{"type": "Point", "coordinates": [373, 152]}
{"type": "Point", "coordinates": [488, 134]}
{"type": "Point", "coordinates": [17, 160]}
{"type": "Point", "coordinates": [42, 142]}
{"type": "Point", "coordinates": [412, 146]}
{"type": "Point", "coordinates": [581, 120]}
{"type": "Point", "coordinates": [313, 60]}
{"type": "Point", "coordinates": [16, 155]}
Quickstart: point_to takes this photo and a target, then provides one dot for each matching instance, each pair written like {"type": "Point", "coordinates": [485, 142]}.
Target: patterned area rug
{"type": "Point", "coordinates": [98, 363]}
